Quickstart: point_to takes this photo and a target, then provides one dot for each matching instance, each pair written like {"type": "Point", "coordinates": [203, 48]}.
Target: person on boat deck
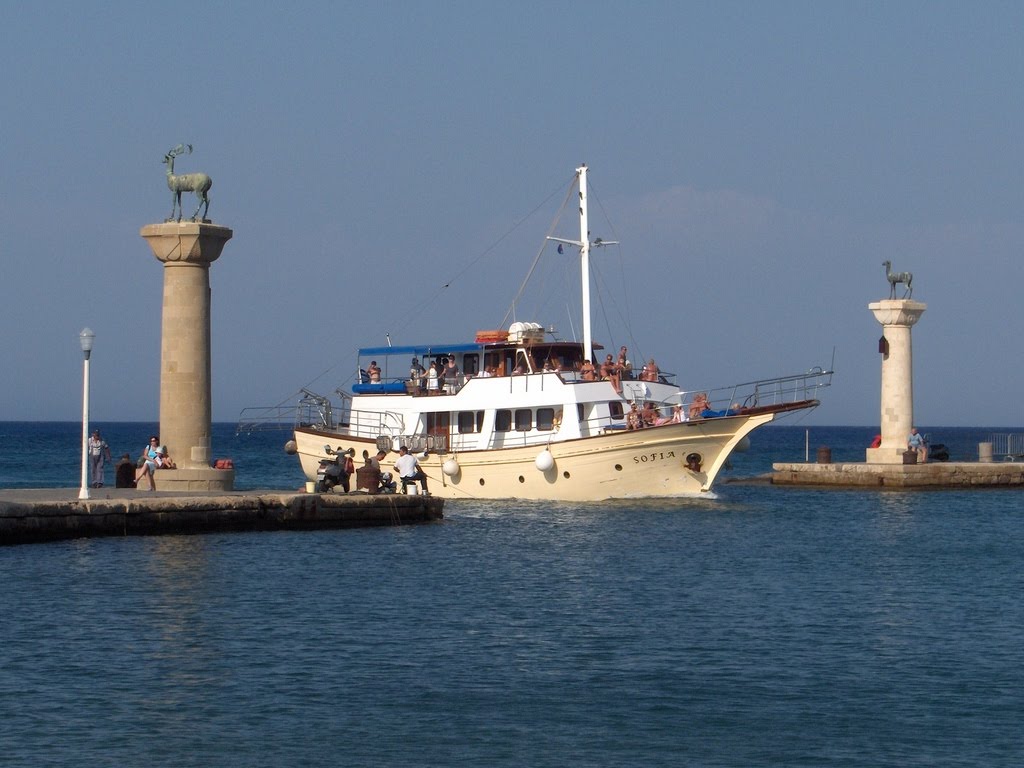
{"type": "Point", "coordinates": [432, 379]}
{"type": "Point", "coordinates": [634, 419]}
{"type": "Point", "coordinates": [486, 373]}
{"type": "Point", "coordinates": [451, 376]}
{"type": "Point", "coordinates": [416, 374]}
{"type": "Point", "coordinates": [587, 371]}
{"type": "Point", "coordinates": [650, 371]}
{"type": "Point", "coordinates": [916, 443]}
{"type": "Point", "coordinates": [610, 372]}
{"type": "Point", "coordinates": [699, 405]}
{"type": "Point", "coordinates": [408, 468]}
{"type": "Point", "coordinates": [520, 370]}
{"type": "Point", "coordinates": [650, 414]}
{"type": "Point", "coordinates": [624, 365]}
{"type": "Point", "coordinates": [374, 372]}
{"type": "Point", "coordinates": [148, 466]}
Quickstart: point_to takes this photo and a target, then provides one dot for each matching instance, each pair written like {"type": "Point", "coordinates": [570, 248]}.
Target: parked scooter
{"type": "Point", "coordinates": [936, 451]}
{"type": "Point", "coordinates": [330, 471]}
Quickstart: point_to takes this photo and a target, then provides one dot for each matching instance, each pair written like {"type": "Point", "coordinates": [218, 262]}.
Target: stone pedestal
{"type": "Point", "coordinates": [897, 316]}
{"type": "Point", "coordinates": [187, 249]}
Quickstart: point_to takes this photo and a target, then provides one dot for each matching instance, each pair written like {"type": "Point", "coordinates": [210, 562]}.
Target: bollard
{"type": "Point", "coordinates": [824, 455]}
{"type": "Point", "coordinates": [985, 453]}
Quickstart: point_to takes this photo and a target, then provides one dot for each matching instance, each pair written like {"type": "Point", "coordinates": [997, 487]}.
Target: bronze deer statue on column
{"type": "Point", "coordinates": [895, 278]}
{"type": "Point", "coordinates": [199, 183]}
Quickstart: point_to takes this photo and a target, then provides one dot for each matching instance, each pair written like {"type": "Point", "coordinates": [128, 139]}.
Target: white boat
{"type": "Point", "coordinates": [544, 432]}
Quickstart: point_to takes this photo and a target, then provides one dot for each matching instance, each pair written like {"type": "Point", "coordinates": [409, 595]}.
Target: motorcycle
{"type": "Point", "coordinates": [330, 472]}
{"type": "Point", "coordinates": [936, 451]}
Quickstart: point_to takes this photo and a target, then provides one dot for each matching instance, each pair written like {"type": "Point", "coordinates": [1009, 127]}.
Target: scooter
{"type": "Point", "coordinates": [936, 451]}
{"type": "Point", "coordinates": [330, 471]}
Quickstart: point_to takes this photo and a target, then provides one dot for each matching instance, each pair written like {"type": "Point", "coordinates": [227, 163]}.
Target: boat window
{"type": "Point", "coordinates": [616, 410]}
{"type": "Point", "coordinates": [502, 421]}
{"type": "Point", "coordinates": [471, 364]}
{"type": "Point", "coordinates": [524, 420]}
{"type": "Point", "coordinates": [546, 419]}
{"type": "Point", "coordinates": [470, 421]}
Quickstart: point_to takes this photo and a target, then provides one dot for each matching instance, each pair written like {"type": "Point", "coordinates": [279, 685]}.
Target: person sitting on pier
{"type": "Point", "coordinates": [162, 460]}
{"type": "Point", "coordinates": [408, 469]}
{"type": "Point", "coordinates": [147, 463]}
{"type": "Point", "coordinates": [916, 443]}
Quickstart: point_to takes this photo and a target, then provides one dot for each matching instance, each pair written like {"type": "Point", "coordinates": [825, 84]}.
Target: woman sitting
{"type": "Point", "coordinates": [147, 463]}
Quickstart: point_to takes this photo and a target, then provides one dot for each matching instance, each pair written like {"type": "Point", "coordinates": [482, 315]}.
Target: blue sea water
{"type": "Point", "coordinates": [767, 626]}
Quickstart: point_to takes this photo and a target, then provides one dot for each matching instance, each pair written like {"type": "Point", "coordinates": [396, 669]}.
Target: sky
{"type": "Point", "coordinates": [390, 170]}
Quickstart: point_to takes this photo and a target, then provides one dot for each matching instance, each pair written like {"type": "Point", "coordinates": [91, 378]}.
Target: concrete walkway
{"type": "Point", "coordinates": [54, 514]}
{"type": "Point", "coordinates": [935, 474]}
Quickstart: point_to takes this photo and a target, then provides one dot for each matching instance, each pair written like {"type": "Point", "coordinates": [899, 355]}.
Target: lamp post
{"type": "Point", "coordinates": [85, 337]}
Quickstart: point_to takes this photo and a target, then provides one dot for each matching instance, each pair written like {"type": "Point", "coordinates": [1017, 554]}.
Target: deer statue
{"type": "Point", "coordinates": [199, 183]}
{"type": "Point", "coordinates": [898, 277]}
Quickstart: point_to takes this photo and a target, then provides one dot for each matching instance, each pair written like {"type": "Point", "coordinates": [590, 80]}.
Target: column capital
{"type": "Point", "coordinates": [190, 242]}
{"type": "Point", "coordinates": [903, 312]}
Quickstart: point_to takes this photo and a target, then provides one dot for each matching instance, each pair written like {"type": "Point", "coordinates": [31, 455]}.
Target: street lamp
{"type": "Point", "coordinates": [85, 337]}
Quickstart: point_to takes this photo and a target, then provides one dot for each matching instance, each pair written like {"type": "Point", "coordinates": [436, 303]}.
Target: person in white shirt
{"type": "Point", "coordinates": [408, 468]}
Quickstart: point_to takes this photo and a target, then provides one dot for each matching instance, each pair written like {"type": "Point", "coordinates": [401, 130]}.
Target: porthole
{"type": "Point", "coordinates": [522, 479]}
{"type": "Point", "coordinates": [481, 481]}
{"type": "Point", "coordinates": [618, 467]}
{"type": "Point", "coordinates": [565, 475]}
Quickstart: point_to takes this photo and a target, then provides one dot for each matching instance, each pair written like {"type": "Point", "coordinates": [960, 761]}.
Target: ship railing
{"type": "Point", "coordinates": [311, 410]}
{"type": "Point", "coordinates": [801, 387]}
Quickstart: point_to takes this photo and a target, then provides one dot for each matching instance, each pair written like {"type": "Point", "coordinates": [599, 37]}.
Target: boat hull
{"type": "Point", "coordinates": [619, 464]}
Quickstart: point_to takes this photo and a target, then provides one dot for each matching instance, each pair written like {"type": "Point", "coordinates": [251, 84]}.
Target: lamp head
{"type": "Point", "coordinates": [86, 338]}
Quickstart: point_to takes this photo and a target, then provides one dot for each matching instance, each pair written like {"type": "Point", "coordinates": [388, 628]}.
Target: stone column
{"type": "Point", "coordinates": [187, 249]}
{"type": "Point", "coordinates": [897, 413]}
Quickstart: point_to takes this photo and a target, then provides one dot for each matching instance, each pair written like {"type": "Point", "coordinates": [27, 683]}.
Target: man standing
{"type": "Point", "coordinates": [408, 469]}
{"type": "Point", "coordinates": [99, 452]}
{"type": "Point", "coordinates": [916, 443]}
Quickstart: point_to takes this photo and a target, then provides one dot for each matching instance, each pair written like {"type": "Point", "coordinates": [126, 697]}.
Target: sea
{"type": "Point", "coordinates": [763, 626]}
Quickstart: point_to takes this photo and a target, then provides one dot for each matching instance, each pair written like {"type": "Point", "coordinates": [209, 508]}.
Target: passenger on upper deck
{"type": "Point", "coordinates": [610, 372]}
{"type": "Point", "coordinates": [451, 376]}
{"type": "Point", "coordinates": [650, 371]}
{"type": "Point", "coordinates": [374, 372]}
{"type": "Point", "coordinates": [624, 365]}
{"type": "Point", "coordinates": [432, 379]}
{"type": "Point", "coordinates": [416, 373]}
{"type": "Point", "coordinates": [587, 371]}
{"type": "Point", "coordinates": [486, 373]}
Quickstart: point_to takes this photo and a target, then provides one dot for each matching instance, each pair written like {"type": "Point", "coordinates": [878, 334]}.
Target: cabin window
{"type": "Point", "coordinates": [471, 364]}
{"type": "Point", "coordinates": [470, 421]}
{"type": "Point", "coordinates": [546, 419]}
{"type": "Point", "coordinates": [524, 420]}
{"type": "Point", "coordinates": [615, 408]}
{"type": "Point", "coordinates": [502, 421]}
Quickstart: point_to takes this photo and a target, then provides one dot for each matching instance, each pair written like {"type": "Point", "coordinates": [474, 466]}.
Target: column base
{"type": "Point", "coordinates": [885, 455]}
{"type": "Point", "coordinates": [201, 480]}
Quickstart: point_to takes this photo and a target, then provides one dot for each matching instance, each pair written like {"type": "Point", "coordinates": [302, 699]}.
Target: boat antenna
{"type": "Point", "coordinates": [388, 337]}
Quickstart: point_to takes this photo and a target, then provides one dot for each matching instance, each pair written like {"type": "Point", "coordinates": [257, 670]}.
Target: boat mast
{"type": "Point", "coordinates": [588, 341]}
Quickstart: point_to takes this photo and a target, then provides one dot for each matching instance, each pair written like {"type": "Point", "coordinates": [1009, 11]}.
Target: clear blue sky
{"type": "Point", "coordinates": [758, 161]}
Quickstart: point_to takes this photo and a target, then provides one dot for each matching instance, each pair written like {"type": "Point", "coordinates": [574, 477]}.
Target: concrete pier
{"type": "Point", "coordinates": [55, 514]}
{"type": "Point", "coordinates": [932, 475]}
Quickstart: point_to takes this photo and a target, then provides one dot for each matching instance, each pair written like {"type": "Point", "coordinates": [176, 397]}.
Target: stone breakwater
{"type": "Point", "coordinates": [931, 475]}
{"type": "Point", "coordinates": [53, 515]}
